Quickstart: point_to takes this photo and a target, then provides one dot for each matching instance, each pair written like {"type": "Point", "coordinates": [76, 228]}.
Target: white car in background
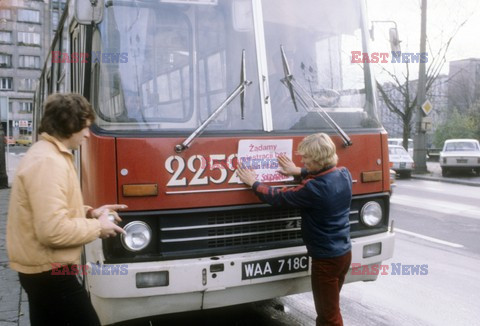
{"type": "Point", "coordinates": [399, 142]}
{"type": "Point", "coordinates": [393, 177]}
{"type": "Point", "coordinates": [401, 162]}
{"type": "Point", "coordinates": [460, 154]}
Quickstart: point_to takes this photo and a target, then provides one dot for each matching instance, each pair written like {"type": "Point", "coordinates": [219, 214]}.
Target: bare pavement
{"type": "Point", "coordinates": [13, 300]}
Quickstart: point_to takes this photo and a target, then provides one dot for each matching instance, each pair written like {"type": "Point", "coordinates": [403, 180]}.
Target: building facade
{"type": "Point", "coordinates": [26, 31]}
{"type": "Point", "coordinates": [464, 84]}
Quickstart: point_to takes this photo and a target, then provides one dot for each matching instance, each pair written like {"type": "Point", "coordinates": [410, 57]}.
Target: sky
{"type": "Point", "coordinates": [443, 19]}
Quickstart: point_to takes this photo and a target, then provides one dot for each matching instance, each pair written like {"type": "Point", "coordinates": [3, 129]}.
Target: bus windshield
{"type": "Point", "coordinates": [318, 38]}
{"type": "Point", "coordinates": [183, 62]}
{"type": "Point", "coordinates": [178, 61]}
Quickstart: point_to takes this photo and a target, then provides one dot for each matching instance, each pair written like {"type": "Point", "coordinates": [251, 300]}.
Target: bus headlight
{"type": "Point", "coordinates": [371, 213]}
{"type": "Point", "coordinates": [138, 236]}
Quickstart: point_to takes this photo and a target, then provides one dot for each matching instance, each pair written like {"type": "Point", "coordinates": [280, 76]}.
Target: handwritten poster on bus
{"type": "Point", "coordinates": [261, 155]}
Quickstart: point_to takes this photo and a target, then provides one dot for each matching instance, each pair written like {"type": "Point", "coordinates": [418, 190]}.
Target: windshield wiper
{"type": "Point", "coordinates": [296, 90]}
{"type": "Point", "coordinates": [240, 90]}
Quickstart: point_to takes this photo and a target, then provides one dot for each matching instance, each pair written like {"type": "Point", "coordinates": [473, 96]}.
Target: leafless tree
{"type": "Point", "coordinates": [400, 93]}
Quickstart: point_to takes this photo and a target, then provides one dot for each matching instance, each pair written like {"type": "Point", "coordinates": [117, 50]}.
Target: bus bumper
{"type": "Point", "coordinates": [212, 282]}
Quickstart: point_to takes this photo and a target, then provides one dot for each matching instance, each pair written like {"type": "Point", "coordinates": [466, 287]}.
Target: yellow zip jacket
{"type": "Point", "coordinates": [46, 222]}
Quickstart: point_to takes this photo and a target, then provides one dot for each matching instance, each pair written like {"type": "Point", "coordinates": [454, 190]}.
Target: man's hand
{"type": "Point", "coordinates": [247, 176]}
{"type": "Point", "coordinates": [108, 228]}
{"type": "Point", "coordinates": [97, 212]}
{"type": "Point", "coordinates": [287, 167]}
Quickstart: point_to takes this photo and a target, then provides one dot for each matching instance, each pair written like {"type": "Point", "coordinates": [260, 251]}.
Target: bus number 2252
{"type": "Point", "coordinates": [219, 164]}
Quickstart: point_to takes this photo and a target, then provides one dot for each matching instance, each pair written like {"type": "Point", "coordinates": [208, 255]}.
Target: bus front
{"type": "Point", "coordinates": [193, 80]}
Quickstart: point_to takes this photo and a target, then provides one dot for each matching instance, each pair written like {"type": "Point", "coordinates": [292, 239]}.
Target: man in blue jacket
{"type": "Point", "coordinates": [324, 197]}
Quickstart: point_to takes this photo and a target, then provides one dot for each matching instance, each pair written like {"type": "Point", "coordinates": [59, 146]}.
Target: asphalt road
{"type": "Point", "coordinates": [437, 225]}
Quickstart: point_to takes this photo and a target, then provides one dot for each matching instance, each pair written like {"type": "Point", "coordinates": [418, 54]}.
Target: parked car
{"type": "Point", "coordinates": [9, 140]}
{"type": "Point", "coordinates": [401, 161]}
{"type": "Point", "coordinates": [392, 181]}
{"type": "Point", "coordinates": [399, 142]}
{"type": "Point", "coordinates": [460, 154]}
{"type": "Point", "coordinates": [24, 140]}
{"type": "Point", "coordinates": [433, 154]}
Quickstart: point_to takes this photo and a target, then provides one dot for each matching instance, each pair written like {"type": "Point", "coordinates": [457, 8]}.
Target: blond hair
{"type": "Point", "coordinates": [320, 148]}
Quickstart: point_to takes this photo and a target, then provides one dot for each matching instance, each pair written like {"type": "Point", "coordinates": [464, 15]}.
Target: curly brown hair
{"type": "Point", "coordinates": [66, 114]}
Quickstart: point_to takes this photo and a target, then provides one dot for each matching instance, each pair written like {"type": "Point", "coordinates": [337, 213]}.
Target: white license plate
{"type": "Point", "coordinates": [462, 160]}
{"type": "Point", "coordinates": [274, 266]}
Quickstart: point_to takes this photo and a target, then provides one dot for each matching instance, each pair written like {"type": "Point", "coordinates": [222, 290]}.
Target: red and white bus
{"type": "Point", "coordinates": [176, 85]}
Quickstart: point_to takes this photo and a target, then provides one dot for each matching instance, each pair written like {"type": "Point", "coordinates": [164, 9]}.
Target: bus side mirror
{"type": "Point", "coordinates": [394, 39]}
{"type": "Point", "coordinates": [89, 11]}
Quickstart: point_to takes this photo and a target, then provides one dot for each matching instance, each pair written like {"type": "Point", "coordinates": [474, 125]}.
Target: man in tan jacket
{"type": "Point", "coordinates": [47, 221]}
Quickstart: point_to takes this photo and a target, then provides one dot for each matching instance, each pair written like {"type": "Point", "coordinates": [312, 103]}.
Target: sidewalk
{"type": "Point", "coordinates": [13, 159]}
{"type": "Point", "coordinates": [13, 300]}
{"type": "Point", "coordinates": [435, 174]}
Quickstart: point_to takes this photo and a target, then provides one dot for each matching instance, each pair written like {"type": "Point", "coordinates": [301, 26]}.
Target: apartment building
{"type": "Point", "coordinates": [26, 31]}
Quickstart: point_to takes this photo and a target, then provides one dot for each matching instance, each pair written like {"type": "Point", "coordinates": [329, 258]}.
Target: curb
{"type": "Point", "coordinates": [446, 180]}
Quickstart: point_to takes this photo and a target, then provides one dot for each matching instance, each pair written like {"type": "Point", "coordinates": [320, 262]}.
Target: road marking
{"type": "Point", "coordinates": [442, 188]}
{"type": "Point", "coordinates": [424, 237]}
{"type": "Point", "coordinates": [438, 206]}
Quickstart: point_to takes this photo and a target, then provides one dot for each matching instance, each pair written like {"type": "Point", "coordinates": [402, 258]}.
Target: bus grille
{"type": "Point", "coordinates": [203, 233]}
{"type": "Point", "coordinates": [256, 228]}
{"type": "Point", "coordinates": [227, 230]}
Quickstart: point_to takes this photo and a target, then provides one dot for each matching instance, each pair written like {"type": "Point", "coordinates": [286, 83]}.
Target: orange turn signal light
{"type": "Point", "coordinates": [372, 176]}
{"type": "Point", "coordinates": [140, 190]}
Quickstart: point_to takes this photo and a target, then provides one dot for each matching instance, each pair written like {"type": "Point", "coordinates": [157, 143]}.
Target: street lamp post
{"type": "Point", "coordinates": [393, 34]}
{"type": "Point", "coordinates": [420, 152]}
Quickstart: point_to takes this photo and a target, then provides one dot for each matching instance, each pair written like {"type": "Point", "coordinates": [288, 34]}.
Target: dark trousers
{"type": "Point", "coordinates": [57, 300]}
{"type": "Point", "coordinates": [328, 275]}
